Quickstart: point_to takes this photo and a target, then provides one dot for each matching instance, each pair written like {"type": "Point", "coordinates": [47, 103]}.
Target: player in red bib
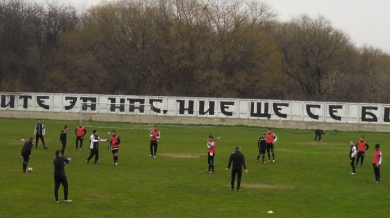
{"type": "Point", "coordinates": [154, 137]}
{"type": "Point", "coordinates": [211, 145]}
{"type": "Point", "coordinates": [361, 147]}
{"type": "Point", "coordinates": [376, 163]}
{"type": "Point", "coordinates": [80, 132]}
{"type": "Point", "coordinates": [271, 138]}
{"type": "Point", "coordinates": [114, 143]}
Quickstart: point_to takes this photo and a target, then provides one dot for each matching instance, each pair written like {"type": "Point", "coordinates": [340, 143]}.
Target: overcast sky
{"type": "Point", "coordinates": [366, 22]}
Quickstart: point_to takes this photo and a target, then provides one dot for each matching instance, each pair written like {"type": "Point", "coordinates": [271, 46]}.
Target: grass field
{"type": "Point", "coordinates": [307, 180]}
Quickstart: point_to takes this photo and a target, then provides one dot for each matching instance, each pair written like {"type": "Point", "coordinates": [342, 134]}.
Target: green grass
{"type": "Point", "coordinates": [308, 179]}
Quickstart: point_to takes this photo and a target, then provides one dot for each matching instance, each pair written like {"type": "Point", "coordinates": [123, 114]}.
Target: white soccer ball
{"type": "Point", "coordinates": [29, 170]}
{"type": "Point", "coordinates": [219, 137]}
{"type": "Point", "coordinates": [22, 139]}
{"type": "Point", "coordinates": [270, 211]}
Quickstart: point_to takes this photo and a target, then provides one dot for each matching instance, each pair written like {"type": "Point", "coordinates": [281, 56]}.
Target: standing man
{"type": "Point", "coordinates": [362, 147]}
{"type": "Point", "coordinates": [271, 138]}
{"type": "Point", "coordinates": [211, 145]}
{"type": "Point", "coordinates": [94, 147]}
{"type": "Point", "coordinates": [238, 160]}
{"type": "Point", "coordinates": [154, 137]}
{"type": "Point", "coordinates": [26, 153]}
{"type": "Point", "coordinates": [80, 132]}
{"type": "Point", "coordinates": [376, 163]}
{"type": "Point", "coordinates": [63, 139]}
{"type": "Point", "coordinates": [114, 142]}
{"type": "Point", "coordinates": [59, 176]}
{"type": "Point", "coordinates": [352, 154]}
{"type": "Point", "coordinates": [261, 145]}
{"type": "Point", "coordinates": [319, 133]}
{"type": "Point", "coordinates": [39, 132]}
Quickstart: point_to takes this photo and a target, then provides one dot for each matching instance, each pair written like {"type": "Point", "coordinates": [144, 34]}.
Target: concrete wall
{"type": "Point", "coordinates": [195, 120]}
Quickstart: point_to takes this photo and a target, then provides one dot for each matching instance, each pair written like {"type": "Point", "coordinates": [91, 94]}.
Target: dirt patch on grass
{"type": "Point", "coordinates": [179, 155]}
{"type": "Point", "coordinates": [266, 186]}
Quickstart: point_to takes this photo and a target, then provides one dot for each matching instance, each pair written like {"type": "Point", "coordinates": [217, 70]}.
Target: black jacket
{"type": "Point", "coordinates": [59, 165]}
{"type": "Point", "coordinates": [238, 160]}
{"type": "Point", "coordinates": [26, 150]}
{"type": "Point", "coordinates": [262, 143]}
{"type": "Point", "coordinates": [63, 136]}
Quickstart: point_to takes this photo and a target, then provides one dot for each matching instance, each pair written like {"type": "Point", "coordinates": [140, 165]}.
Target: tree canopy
{"type": "Point", "coordinates": [203, 48]}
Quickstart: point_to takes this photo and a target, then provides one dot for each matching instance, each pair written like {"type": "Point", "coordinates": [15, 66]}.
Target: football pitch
{"type": "Point", "coordinates": [307, 180]}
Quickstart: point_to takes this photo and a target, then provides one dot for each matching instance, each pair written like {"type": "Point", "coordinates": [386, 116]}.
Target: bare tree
{"type": "Point", "coordinates": [315, 55]}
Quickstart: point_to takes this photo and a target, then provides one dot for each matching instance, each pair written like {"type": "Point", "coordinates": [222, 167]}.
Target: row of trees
{"type": "Point", "coordinates": [184, 48]}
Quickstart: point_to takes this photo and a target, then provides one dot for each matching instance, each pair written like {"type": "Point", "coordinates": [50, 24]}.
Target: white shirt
{"type": "Point", "coordinates": [93, 140]}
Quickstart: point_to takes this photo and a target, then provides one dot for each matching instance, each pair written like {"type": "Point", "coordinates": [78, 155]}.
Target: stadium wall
{"type": "Point", "coordinates": [187, 110]}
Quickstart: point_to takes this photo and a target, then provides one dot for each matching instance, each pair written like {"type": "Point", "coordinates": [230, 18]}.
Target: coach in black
{"type": "Point", "coordinates": [238, 160]}
{"type": "Point", "coordinates": [60, 177]}
{"type": "Point", "coordinates": [26, 153]}
{"type": "Point", "coordinates": [63, 139]}
{"type": "Point", "coordinates": [39, 132]}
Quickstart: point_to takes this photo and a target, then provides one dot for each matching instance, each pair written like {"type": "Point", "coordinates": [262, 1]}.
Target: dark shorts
{"type": "Point", "coordinates": [270, 147]}
{"type": "Point", "coordinates": [262, 150]}
{"type": "Point", "coordinates": [115, 151]}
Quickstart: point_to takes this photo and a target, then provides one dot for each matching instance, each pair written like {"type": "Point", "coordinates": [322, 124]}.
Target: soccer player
{"type": "Point", "coordinates": [63, 139]}
{"type": "Point", "coordinates": [94, 146]}
{"type": "Point", "coordinates": [80, 132]}
{"type": "Point", "coordinates": [39, 132]}
{"type": "Point", "coordinates": [261, 145]}
{"type": "Point", "coordinates": [154, 137]}
{"type": "Point", "coordinates": [114, 142]}
{"type": "Point", "coordinates": [376, 163]}
{"type": "Point", "coordinates": [211, 145]}
{"type": "Point", "coordinates": [271, 138]}
{"type": "Point", "coordinates": [352, 154]}
{"type": "Point", "coordinates": [59, 176]}
{"type": "Point", "coordinates": [26, 153]}
{"type": "Point", "coordinates": [238, 160]}
{"type": "Point", "coordinates": [319, 133]}
{"type": "Point", "coordinates": [362, 147]}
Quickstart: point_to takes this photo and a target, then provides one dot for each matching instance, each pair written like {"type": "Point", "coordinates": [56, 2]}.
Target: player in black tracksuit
{"type": "Point", "coordinates": [238, 160]}
{"type": "Point", "coordinates": [39, 132]}
{"type": "Point", "coordinates": [26, 153]}
{"type": "Point", "coordinates": [261, 145]}
{"type": "Point", "coordinates": [319, 133]}
{"type": "Point", "coordinates": [63, 139]}
{"type": "Point", "coordinates": [94, 147]}
{"type": "Point", "coordinates": [59, 176]}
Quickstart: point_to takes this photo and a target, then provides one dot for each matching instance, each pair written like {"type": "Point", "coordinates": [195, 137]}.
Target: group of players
{"type": "Point", "coordinates": [265, 144]}
{"type": "Point", "coordinates": [237, 159]}
{"type": "Point", "coordinates": [358, 150]}
{"type": "Point", "coordinates": [80, 132]}
{"type": "Point", "coordinates": [60, 160]}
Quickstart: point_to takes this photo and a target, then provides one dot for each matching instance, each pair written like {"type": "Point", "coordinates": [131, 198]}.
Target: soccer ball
{"type": "Point", "coordinates": [29, 170]}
